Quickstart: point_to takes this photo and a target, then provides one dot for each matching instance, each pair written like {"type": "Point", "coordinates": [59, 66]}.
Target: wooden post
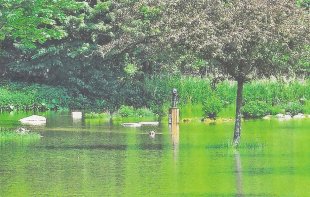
{"type": "Point", "coordinates": [174, 115]}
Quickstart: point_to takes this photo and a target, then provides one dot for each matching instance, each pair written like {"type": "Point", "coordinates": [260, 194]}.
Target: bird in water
{"type": "Point", "coordinates": [22, 130]}
{"type": "Point", "coordinates": [152, 134]}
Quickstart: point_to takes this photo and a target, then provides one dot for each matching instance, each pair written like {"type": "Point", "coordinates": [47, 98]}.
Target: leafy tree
{"type": "Point", "coordinates": [25, 24]}
{"type": "Point", "coordinates": [102, 56]}
{"type": "Point", "coordinates": [247, 38]}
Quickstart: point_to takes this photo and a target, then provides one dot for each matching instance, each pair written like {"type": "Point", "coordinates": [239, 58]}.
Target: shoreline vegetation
{"type": "Point", "coordinates": [198, 99]}
{"type": "Point", "coordinates": [18, 135]}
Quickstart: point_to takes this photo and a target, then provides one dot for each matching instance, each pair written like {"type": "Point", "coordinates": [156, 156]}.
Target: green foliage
{"type": "Point", "coordinates": [277, 109]}
{"type": "Point", "coordinates": [144, 112]}
{"type": "Point", "coordinates": [126, 111]}
{"type": "Point", "coordinates": [6, 135]}
{"type": "Point", "coordinates": [130, 69]}
{"type": "Point", "coordinates": [261, 49]}
{"type": "Point", "coordinates": [294, 108]}
{"type": "Point", "coordinates": [94, 115]}
{"type": "Point", "coordinates": [21, 96]}
{"type": "Point", "coordinates": [30, 22]}
{"type": "Point", "coordinates": [129, 111]}
{"type": "Point", "coordinates": [304, 3]}
{"type": "Point", "coordinates": [307, 107]}
{"type": "Point", "coordinates": [276, 92]}
{"type": "Point", "coordinates": [148, 12]}
{"type": "Point", "coordinates": [191, 110]}
{"type": "Point", "coordinates": [255, 109]}
{"type": "Point", "coordinates": [226, 91]}
{"type": "Point", "coordinates": [212, 106]}
{"type": "Point", "coordinates": [269, 95]}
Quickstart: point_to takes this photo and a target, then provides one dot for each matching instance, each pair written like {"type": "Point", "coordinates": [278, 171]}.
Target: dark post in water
{"type": "Point", "coordinates": [174, 111]}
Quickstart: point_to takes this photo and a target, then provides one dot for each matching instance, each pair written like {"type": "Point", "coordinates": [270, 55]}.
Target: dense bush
{"type": "Point", "coordinates": [22, 96]}
{"type": "Point", "coordinates": [256, 109]}
{"type": "Point", "coordinates": [277, 109]}
{"type": "Point", "coordinates": [97, 115]}
{"type": "Point", "coordinates": [212, 106]}
{"type": "Point", "coordinates": [294, 108]}
{"type": "Point", "coordinates": [129, 111]}
{"type": "Point", "coordinates": [307, 107]}
{"type": "Point", "coordinates": [227, 92]}
{"type": "Point", "coordinates": [126, 111]}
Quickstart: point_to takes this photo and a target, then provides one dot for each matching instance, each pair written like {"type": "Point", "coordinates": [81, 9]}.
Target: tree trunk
{"type": "Point", "coordinates": [237, 131]}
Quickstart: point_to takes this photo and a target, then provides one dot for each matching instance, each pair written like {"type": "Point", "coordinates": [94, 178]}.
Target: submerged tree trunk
{"type": "Point", "coordinates": [237, 131]}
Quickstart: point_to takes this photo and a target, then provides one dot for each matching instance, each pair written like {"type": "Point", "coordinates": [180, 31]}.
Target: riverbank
{"type": "Point", "coordinates": [196, 99]}
{"type": "Point", "coordinates": [20, 134]}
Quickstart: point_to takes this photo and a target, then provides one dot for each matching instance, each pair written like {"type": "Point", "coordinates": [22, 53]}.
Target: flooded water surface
{"type": "Point", "coordinates": [97, 158]}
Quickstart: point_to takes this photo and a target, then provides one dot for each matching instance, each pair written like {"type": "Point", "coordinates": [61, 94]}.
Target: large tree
{"type": "Point", "coordinates": [247, 38]}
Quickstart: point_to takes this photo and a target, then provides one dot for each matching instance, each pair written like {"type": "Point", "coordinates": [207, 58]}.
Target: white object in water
{"type": "Point", "coordinates": [287, 117]}
{"type": "Point", "coordinates": [152, 134]}
{"type": "Point", "coordinates": [76, 115]}
{"type": "Point", "coordinates": [33, 120]}
{"type": "Point", "coordinates": [149, 123]}
{"type": "Point", "coordinates": [131, 124]}
{"type": "Point", "coordinates": [280, 115]}
{"type": "Point", "coordinates": [268, 117]}
{"type": "Point", "coordinates": [299, 116]}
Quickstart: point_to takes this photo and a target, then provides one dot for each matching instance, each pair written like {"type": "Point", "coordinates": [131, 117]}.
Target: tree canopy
{"type": "Point", "coordinates": [246, 39]}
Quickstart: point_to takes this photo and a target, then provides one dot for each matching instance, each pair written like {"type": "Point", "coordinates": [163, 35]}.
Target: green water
{"type": "Point", "coordinates": [81, 158]}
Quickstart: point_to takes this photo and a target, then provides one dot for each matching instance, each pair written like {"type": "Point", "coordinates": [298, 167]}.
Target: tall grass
{"type": "Point", "coordinates": [274, 96]}
{"type": "Point", "coordinates": [6, 135]}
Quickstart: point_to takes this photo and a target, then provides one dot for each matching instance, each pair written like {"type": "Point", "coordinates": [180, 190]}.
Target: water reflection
{"type": "Point", "coordinates": [238, 173]}
{"type": "Point", "coordinates": [99, 159]}
{"type": "Point", "coordinates": [175, 137]}
{"type": "Point", "coordinates": [77, 123]}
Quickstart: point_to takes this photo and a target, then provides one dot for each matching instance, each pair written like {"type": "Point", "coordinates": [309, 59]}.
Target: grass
{"type": "Point", "coordinates": [125, 113]}
{"type": "Point", "coordinates": [93, 115]}
{"type": "Point", "coordinates": [7, 135]}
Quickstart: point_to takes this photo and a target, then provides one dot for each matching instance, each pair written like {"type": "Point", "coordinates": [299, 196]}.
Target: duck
{"type": "Point", "coordinates": [152, 134]}
{"type": "Point", "coordinates": [22, 130]}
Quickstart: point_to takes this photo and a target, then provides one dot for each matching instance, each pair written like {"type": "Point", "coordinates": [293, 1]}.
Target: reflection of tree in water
{"type": "Point", "coordinates": [238, 172]}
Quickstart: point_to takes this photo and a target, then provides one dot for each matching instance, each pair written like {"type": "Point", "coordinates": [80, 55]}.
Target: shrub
{"type": "Point", "coordinates": [6, 135]}
{"type": "Point", "coordinates": [96, 115]}
{"type": "Point", "coordinates": [129, 111]}
{"type": "Point", "coordinates": [226, 92]}
{"type": "Point", "coordinates": [24, 96]}
{"type": "Point", "coordinates": [144, 112]}
{"type": "Point", "coordinates": [126, 111]}
{"type": "Point", "coordinates": [307, 107]}
{"type": "Point", "coordinates": [255, 109]}
{"type": "Point", "coordinates": [277, 110]}
{"type": "Point", "coordinates": [294, 108]}
{"type": "Point", "coordinates": [212, 106]}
